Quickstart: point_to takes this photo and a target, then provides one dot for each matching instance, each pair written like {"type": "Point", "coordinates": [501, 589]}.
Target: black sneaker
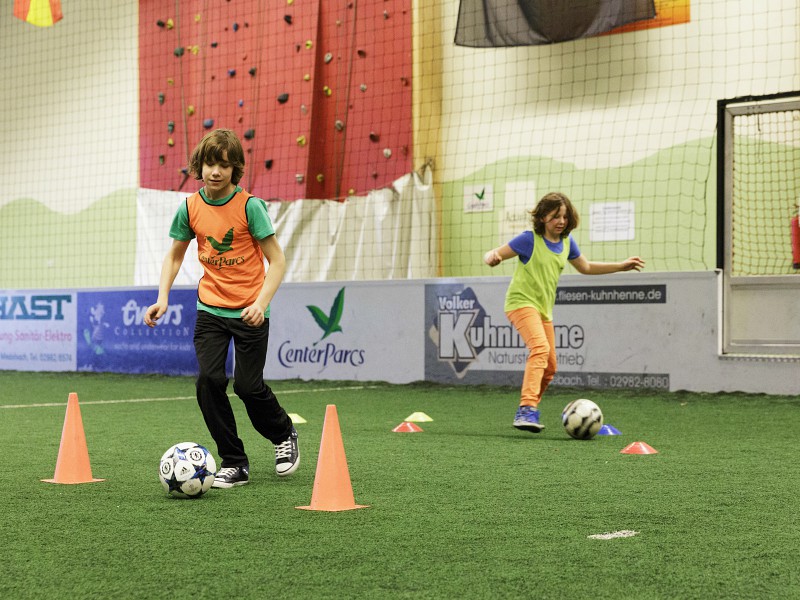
{"type": "Point", "coordinates": [228, 477]}
{"type": "Point", "coordinates": [287, 455]}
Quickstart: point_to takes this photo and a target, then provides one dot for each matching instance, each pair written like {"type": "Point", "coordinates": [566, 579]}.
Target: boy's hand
{"type": "Point", "coordinates": [253, 315]}
{"type": "Point", "coordinates": [154, 313]}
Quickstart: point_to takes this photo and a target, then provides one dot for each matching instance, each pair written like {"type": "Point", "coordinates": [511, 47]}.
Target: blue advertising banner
{"type": "Point", "coordinates": [112, 335]}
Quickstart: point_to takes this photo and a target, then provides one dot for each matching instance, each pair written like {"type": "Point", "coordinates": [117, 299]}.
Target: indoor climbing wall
{"type": "Point", "coordinates": [319, 92]}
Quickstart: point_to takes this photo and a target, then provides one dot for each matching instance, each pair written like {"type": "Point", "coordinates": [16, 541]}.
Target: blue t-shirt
{"type": "Point", "coordinates": [523, 246]}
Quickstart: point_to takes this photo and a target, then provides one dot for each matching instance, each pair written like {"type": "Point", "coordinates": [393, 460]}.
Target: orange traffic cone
{"type": "Point", "coordinates": [73, 465]}
{"type": "Point", "coordinates": [332, 489]}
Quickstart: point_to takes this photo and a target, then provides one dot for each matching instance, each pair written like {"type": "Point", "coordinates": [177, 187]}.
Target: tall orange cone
{"type": "Point", "coordinates": [73, 465]}
{"type": "Point", "coordinates": [332, 489]}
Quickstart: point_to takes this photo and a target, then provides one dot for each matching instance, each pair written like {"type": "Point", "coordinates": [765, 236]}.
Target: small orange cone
{"type": "Point", "coordinates": [407, 427]}
{"type": "Point", "coordinates": [73, 465]}
{"type": "Point", "coordinates": [638, 448]}
{"type": "Point", "coordinates": [332, 489]}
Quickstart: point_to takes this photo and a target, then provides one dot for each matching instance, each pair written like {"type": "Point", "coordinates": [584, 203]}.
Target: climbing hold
{"type": "Point", "coordinates": [374, 137]}
{"type": "Point", "coordinates": [161, 23]}
{"type": "Point", "coordinates": [387, 152]}
{"type": "Point", "coordinates": [386, 14]}
{"type": "Point", "coordinates": [283, 98]}
{"type": "Point", "coordinates": [252, 71]}
{"type": "Point", "coordinates": [404, 150]}
{"type": "Point", "coordinates": [326, 90]}
{"type": "Point", "coordinates": [338, 125]}
{"type": "Point", "coordinates": [170, 142]}
{"type": "Point", "coordinates": [351, 192]}
{"type": "Point", "coordinates": [197, 18]}
{"type": "Point", "coordinates": [289, 2]}
{"type": "Point", "coordinates": [362, 53]}
{"type": "Point", "coordinates": [404, 80]}
{"type": "Point", "coordinates": [161, 159]}
{"type": "Point", "coordinates": [288, 19]}
{"type": "Point", "coordinates": [194, 49]}
{"type": "Point", "coordinates": [307, 77]}
{"type": "Point", "coordinates": [241, 103]}
{"type": "Point", "coordinates": [363, 87]}
{"type": "Point", "coordinates": [299, 178]}
{"type": "Point", "coordinates": [178, 51]}
{"type": "Point", "coordinates": [170, 81]}
{"type": "Point", "coordinates": [235, 26]}
{"type": "Point", "coordinates": [214, 44]}
{"type": "Point", "coordinates": [170, 23]}
{"type": "Point", "coordinates": [249, 134]}
{"type": "Point", "coordinates": [190, 110]}
{"type": "Point", "coordinates": [208, 123]}
{"type": "Point", "coordinates": [328, 57]}
{"type": "Point", "coordinates": [301, 140]}
{"type": "Point", "coordinates": [303, 109]}
{"type": "Point", "coordinates": [171, 126]}
{"type": "Point", "coordinates": [161, 98]}
{"type": "Point", "coordinates": [268, 163]}
{"type": "Point", "coordinates": [309, 44]}
{"type": "Point", "coordinates": [231, 72]}
{"type": "Point", "coordinates": [320, 177]}
{"type": "Point", "coordinates": [374, 174]}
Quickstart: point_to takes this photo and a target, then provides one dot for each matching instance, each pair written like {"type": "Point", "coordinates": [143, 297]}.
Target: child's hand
{"type": "Point", "coordinates": [154, 313]}
{"type": "Point", "coordinates": [492, 258]}
{"type": "Point", "coordinates": [253, 315]}
{"type": "Point", "coordinates": [634, 263]}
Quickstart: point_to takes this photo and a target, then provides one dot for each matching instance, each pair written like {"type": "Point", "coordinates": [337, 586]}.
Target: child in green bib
{"type": "Point", "coordinates": [543, 253]}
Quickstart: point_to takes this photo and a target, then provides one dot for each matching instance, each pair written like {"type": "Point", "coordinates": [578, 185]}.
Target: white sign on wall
{"type": "Point", "coordinates": [478, 198]}
{"type": "Point", "coordinates": [611, 221]}
{"type": "Point", "coordinates": [520, 198]}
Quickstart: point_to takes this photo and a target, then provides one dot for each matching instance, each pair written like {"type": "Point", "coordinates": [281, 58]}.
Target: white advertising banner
{"type": "Point", "coordinates": [37, 330]}
{"type": "Point", "coordinates": [358, 331]}
{"type": "Point", "coordinates": [469, 339]}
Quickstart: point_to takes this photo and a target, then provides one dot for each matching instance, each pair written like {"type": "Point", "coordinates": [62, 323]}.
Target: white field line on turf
{"type": "Point", "coordinates": [134, 400]}
{"type": "Point", "coordinates": [625, 533]}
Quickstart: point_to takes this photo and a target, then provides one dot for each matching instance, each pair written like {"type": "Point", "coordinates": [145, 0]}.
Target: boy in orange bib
{"type": "Point", "coordinates": [234, 234]}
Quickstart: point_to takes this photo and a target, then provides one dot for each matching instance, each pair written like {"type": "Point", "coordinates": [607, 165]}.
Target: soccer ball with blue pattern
{"type": "Point", "coordinates": [187, 470]}
{"type": "Point", "coordinates": [582, 419]}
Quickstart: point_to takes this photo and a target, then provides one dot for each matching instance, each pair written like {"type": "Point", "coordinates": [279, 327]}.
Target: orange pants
{"type": "Point", "coordinates": [540, 338]}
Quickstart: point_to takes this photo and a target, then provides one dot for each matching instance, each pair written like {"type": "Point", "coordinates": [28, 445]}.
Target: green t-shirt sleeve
{"type": "Point", "coordinates": [180, 230]}
{"type": "Point", "coordinates": [258, 219]}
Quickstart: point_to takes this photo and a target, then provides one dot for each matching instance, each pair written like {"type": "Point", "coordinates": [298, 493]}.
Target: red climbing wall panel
{"type": "Point", "coordinates": [319, 92]}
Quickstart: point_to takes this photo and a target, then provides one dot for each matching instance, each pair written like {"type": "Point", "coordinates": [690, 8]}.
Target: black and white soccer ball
{"type": "Point", "coordinates": [582, 419]}
{"type": "Point", "coordinates": [187, 470]}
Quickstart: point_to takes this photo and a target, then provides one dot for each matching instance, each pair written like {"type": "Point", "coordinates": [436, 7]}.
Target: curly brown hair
{"type": "Point", "coordinates": [211, 150]}
{"type": "Point", "coordinates": [549, 203]}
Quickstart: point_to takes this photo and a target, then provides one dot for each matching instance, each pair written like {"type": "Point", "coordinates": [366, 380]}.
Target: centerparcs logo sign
{"type": "Point", "coordinates": [291, 355]}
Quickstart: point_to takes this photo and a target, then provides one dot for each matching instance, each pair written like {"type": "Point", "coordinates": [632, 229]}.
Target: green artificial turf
{"type": "Point", "coordinates": [467, 508]}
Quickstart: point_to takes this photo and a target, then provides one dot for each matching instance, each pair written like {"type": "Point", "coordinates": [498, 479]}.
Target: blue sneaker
{"type": "Point", "coordinates": [527, 419]}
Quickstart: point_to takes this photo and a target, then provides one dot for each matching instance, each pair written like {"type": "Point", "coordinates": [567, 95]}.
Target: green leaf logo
{"type": "Point", "coordinates": [223, 246]}
{"type": "Point", "coordinates": [329, 323]}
